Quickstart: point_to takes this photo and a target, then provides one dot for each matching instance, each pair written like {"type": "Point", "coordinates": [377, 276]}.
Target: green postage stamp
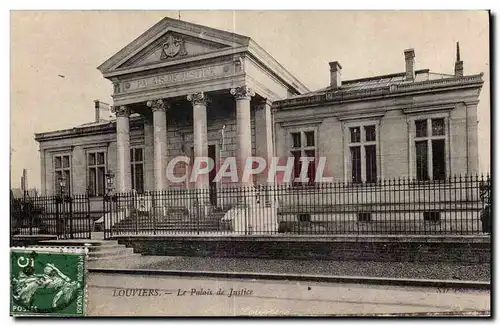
{"type": "Point", "coordinates": [48, 281]}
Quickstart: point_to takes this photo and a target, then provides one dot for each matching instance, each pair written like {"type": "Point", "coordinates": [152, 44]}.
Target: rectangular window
{"type": "Point", "coordinates": [355, 134]}
{"type": "Point", "coordinates": [62, 169]}
{"type": "Point", "coordinates": [311, 168]}
{"type": "Point", "coordinates": [371, 163]}
{"type": "Point", "coordinates": [430, 149]}
{"type": "Point", "coordinates": [296, 164]}
{"type": "Point", "coordinates": [363, 148]}
{"type": "Point", "coordinates": [356, 164]}
{"type": "Point", "coordinates": [96, 167]}
{"type": "Point", "coordinates": [303, 145]}
{"type": "Point", "coordinates": [421, 128]}
{"type": "Point", "coordinates": [438, 162]}
{"type": "Point", "coordinates": [370, 133]}
{"type": "Point", "coordinates": [422, 160]}
{"type": "Point", "coordinates": [309, 138]}
{"type": "Point", "coordinates": [137, 169]}
{"type": "Point", "coordinates": [437, 127]}
{"type": "Point", "coordinates": [296, 140]}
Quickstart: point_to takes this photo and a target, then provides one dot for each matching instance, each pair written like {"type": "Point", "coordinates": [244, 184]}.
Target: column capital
{"type": "Point", "coordinates": [120, 111]}
{"type": "Point", "coordinates": [242, 92]}
{"type": "Point", "coordinates": [198, 98]}
{"type": "Point", "coordinates": [158, 105]}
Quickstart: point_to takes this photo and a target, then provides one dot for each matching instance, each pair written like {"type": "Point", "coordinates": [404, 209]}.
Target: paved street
{"type": "Point", "coordinates": [125, 295]}
{"type": "Point", "coordinates": [426, 270]}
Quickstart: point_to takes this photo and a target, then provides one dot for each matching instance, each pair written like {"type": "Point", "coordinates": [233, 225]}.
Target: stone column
{"type": "Point", "coordinates": [148, 153]}
{"type": "Point", "coordinates": [201, 203]}
{"type": "Point", "coordinates": [200, 135]}
{"type": "Point", "coordinates": [159, 108]}
{"type": "Point", "coordinates": [243, 95]}
{"type": "Point", "coordinates": [263, 136]}
{"type": "Point", "coordinates": [123, 178]}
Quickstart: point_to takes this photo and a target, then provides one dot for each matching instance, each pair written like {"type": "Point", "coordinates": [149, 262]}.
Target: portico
{"type": "Point", "coordinates": [194, 87]}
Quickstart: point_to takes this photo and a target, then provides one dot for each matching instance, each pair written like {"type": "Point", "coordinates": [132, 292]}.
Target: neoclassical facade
{"type": "Point", "coordinates": [186, 89]}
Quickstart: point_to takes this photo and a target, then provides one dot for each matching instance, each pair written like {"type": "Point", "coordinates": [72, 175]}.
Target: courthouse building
{"type": "Point", "coordinates": [186, 89]}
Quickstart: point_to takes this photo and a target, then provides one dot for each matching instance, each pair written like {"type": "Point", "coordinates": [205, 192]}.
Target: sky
{"type": "Point", "coordinates": [46, 44]}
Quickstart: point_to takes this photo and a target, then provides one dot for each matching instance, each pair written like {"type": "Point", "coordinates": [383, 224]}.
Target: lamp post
{"type": "Point", "coordinates": [110, 177]}
{"type": "Point", "coordinates": [62, 184]}
{"type": "Point", "coordinates": [62, 221]}
{"type": "Point", "coordinates": [108, 197]}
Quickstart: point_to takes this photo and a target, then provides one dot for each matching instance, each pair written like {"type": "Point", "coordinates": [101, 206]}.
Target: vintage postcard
{"type": "Point", "coordinates": [250, 163]}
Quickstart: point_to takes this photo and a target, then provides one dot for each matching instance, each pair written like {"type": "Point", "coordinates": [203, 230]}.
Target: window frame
{"type": "Point", "coordinates": [361, 124]}
{"type": "Point", "coordinates": [96, 166]}
{"type": "Point", "coordinates": [412, 139]}
{"type": "Point", "coordinates": [62, 169]}
{"type": "Point", "coordinates": [132, 170]}
{"type": "Point", "coordinates": [303, 149]}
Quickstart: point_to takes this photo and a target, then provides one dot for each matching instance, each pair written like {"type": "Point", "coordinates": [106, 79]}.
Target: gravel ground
{"type": "Point", "coordinates": [438, 270]}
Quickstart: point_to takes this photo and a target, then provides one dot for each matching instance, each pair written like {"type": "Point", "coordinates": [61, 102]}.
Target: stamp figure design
{"type": "Point", "coordinates": [47, 282]}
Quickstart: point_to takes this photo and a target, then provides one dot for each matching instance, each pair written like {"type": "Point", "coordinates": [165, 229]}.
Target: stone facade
{"type": "Point", "coordinates": [176, 94]}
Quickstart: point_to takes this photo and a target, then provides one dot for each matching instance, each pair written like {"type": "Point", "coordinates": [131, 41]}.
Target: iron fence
{"type": "Point", "coordinates": [67, 217]}
{"type": "Point", "coordinates": [457, 205]}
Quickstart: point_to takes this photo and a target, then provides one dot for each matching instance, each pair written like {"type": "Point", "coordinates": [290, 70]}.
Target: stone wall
{"type": "Point", "coordinates": [400, 249]}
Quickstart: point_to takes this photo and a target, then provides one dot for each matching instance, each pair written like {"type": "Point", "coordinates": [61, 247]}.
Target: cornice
{"type": "Point", "coordinates": [293, 123]}
{"type": "Point", "coordinates": [381, 92]}
{"type": "Point", "coordinates": [358, 116]}
{"type": "Point", "coordinates": [176, 63]}
{"type": "Point", "coordinates": [84, 131]}
{"type": "Point", "coordinates": [429, 107]}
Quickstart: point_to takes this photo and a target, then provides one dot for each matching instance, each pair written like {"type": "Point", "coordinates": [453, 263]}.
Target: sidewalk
{"type": "Point", "coordinates": [442, 271]}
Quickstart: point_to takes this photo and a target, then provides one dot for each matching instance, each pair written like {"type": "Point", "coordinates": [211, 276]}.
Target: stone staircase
{"type": "Point", "coordinates": [176, 220]}
{"type": "Point", "coordinates": [98, 249]}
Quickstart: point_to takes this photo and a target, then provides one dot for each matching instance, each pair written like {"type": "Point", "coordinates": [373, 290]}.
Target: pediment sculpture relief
{"type": "Point", "coordinates": [173, 46]}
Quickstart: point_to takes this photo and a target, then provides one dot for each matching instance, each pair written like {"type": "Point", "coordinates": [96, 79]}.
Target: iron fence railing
{"type": "Point", "coordinates": [67, 217]}
{"type": "Point", "coordinates": [457, 205]}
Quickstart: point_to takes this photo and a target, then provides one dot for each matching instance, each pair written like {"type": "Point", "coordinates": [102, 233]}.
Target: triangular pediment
{"type": "Point", "coordinates": [171, 40]}
{"type": "Point", "coordinates": [172, 46]}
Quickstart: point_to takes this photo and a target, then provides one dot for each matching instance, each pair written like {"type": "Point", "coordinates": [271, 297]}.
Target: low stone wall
{"type": "Point", "coordinates": [464, 249]}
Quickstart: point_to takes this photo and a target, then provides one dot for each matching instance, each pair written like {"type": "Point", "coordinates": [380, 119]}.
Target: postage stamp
{"type": "Point", "coordinates": [48, 281]}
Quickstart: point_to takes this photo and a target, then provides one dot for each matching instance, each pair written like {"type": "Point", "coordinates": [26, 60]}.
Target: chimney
{"type": "Point", "coordinates": [335, 74]}
{"type": "Point", "coordinates": [410, 64]}
{"type": "Point", "coordinates": [24, 180]}
{"type": "Point", "coordinates": [459, 64]}
{"type": "Point", "coordinates": [97, 109]}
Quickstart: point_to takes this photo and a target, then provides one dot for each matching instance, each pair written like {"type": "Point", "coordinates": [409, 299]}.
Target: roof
{"type": "Point", "coordinates": [95, 127]}
{"type": "Point", "coordinates": [378, 85]}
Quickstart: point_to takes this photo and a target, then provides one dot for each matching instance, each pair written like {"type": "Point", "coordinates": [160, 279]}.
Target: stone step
{"type": "Point", "coordinates": [104, 248]}
{"type": "Point", "coordinates": [132, 230]}
{"type": "Point", "coordinates": [168, 227]}
{"type": "Point", "coordinates": [79, 242]}
{"type": "Point", "coordinates": [98, 249]}
{"type": "Point", "coordinates": [125, 256]}
{"type": "Point", "coordinates": [133, 223]}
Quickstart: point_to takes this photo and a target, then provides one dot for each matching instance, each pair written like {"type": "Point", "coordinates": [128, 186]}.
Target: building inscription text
{"type": "Point", "coordinates": [175, 77]}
